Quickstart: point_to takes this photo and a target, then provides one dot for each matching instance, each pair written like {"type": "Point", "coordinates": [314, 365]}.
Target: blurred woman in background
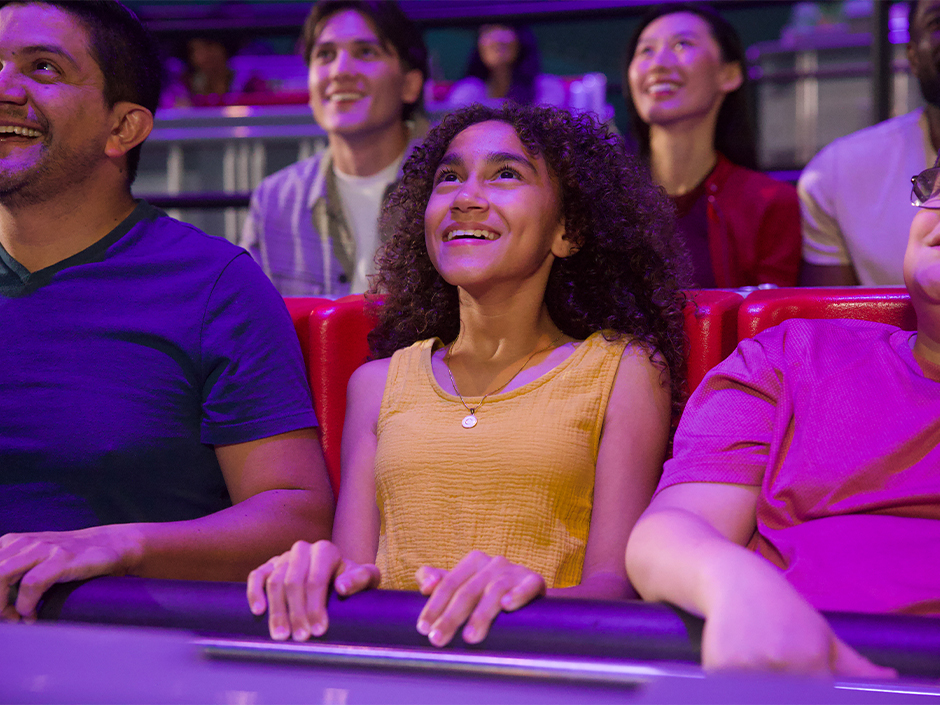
{"type": "Point", "coordinates": [505, 64]}
{"type": "Point", "coordinates": [687, 76]}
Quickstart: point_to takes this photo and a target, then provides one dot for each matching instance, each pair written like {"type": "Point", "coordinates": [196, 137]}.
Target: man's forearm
{"type": "Point", "coordinates": [230, 543]}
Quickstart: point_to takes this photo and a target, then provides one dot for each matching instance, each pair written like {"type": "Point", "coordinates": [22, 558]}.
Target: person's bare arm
{"type": "Point", "coordinates": [630, 457]}
{"type": "Point", "coordinates": [293, 587]}
{"type": "Point", "coordinates": [280, 492]}
{"type": "Point", "coordinates": [688, 549]}
{"type": "Point", "coordinates": [629, 463]}
{"type": "Point", "coordinates": [686, 519]}
{"type": "Point", "coordinates": [826, 259]}
{"type": "Point", "coordinates": [827, 275]}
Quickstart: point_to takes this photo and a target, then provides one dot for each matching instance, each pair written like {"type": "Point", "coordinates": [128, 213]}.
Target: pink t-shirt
{"type": "Point", "coordinates": [839, 427]}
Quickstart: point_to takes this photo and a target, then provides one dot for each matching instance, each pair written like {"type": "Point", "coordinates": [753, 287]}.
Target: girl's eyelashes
{"type": "Point", "coordinates": [506, 171]}
{"type": "Point", "coordinates": [445, 174]}
{"type": "Point", "coordinates": [510, 170]}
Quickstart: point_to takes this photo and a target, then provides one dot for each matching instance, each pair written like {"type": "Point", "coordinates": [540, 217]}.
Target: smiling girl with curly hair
{"type": "Point", "coordinates": [533, 318]}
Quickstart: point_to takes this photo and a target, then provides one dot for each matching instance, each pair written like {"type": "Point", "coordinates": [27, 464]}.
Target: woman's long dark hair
{"type": "Point", "coordinates": [525, 69]}
{"type": "Point", "coordinates": [625, 277]}
{"type": "Point", "coordinates": [734, 133]}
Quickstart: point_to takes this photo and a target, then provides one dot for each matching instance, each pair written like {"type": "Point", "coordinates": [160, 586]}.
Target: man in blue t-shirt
{"type": "Point", "coordinates": [154, 415]}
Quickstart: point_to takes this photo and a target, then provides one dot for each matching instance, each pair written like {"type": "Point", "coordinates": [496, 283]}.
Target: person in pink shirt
{"type": "Point", "coordinates": [806, 477]}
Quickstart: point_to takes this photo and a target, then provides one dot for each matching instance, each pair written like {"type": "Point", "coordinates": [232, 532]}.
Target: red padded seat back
{"type": "Point", "coordinates": [711, 322]}
{"type": "Point", "coordinates": [338, 346]}
{"type": "Point", "coordinates": [766, 308]}
{"type": "Point", "coordinates": [299, 308]}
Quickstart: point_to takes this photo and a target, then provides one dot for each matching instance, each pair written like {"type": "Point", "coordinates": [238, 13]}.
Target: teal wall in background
{"type": "Point", "coordinates": [582, 46]}
{"type": "Point", "coordinates": [567, 46]}
{"type": "Point", "coordinates": [585, 46]}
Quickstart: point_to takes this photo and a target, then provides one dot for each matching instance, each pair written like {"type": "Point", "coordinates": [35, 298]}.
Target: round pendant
{"type": "Point", "coordinates": [469, 421]}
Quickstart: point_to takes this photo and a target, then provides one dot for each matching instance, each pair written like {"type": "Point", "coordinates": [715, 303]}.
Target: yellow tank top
{"type": "Point", "coordinates": [520, 484]}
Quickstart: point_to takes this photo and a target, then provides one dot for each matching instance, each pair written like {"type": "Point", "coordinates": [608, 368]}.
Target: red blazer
{"type": "Point", "coordinates": [753, 227]}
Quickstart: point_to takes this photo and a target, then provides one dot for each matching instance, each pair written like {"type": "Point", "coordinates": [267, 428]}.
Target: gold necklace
{"type": "Point", "coordinates": [470, 420]}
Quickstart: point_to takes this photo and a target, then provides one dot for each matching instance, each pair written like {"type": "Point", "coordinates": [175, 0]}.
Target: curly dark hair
{"type": "Point", "coordinates": [624, 277]}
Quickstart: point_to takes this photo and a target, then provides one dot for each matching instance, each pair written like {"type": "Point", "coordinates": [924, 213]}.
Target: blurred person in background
{"type": "Point", "coordinates": [208, 72]}
{"type": "Point", "coordinates": [686, 73]}
{"type": "Point", "coordinates": [505, 64]}
{"type": "Point", "coordinates": [853, 194]}
{"type": "Point", "coordinates": [313, 226]}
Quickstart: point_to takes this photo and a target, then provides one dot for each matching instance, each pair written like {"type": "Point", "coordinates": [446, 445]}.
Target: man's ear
{"type": "Point", "coordinates": [412, 86]}
{"type": "Point", "coordinates": [131, 125]}
{"type": "Point", "coordinates": [912, 67]}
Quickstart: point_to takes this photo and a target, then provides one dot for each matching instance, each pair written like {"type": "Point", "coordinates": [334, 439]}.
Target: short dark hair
{"type": "Point", "coordinates": [125, 52]}
{"type": "Point", "coordinates": [911, 18]}
{"type": "Point", "coordinates": [734, 133]}
{"type": "Point", "coordinates": [624, 278]}
{"type": "Point", "coordinates": [393, 27]}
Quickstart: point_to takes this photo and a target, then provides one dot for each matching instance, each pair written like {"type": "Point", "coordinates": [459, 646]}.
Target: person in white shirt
{"type": "Point", "coordinates": [313, 226]}
{"type": "Point", "coordinates": [854, 204]}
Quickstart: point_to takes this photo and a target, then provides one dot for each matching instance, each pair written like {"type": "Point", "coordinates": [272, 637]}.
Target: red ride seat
{"type": "Point", "coordinates": [337, 344]}
{"type": "Point", "coordinates": [711, 322]}
{"type": "Point", "coordinates": [299, 308]}
{"type": "Point", "coordinates": [766, 308]}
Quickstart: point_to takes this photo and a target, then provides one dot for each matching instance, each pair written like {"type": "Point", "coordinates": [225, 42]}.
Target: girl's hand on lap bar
{"type": "Point", "coordinates": [294, 588]}
{"type": "Point", "coordinates": [475, 591]}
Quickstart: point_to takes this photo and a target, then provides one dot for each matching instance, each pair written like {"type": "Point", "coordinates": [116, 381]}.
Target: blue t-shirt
{"type": "Point", "coordinates": [123, 366]}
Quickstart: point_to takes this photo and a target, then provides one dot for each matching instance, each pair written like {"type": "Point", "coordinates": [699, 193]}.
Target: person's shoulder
{"type": "Point", "coordinates": [611, 341]}
{"type": "Point", "coordinates": [297, 175]}
{"type": "Point", "coordinates": [835, 335]}
{"type": "Point", "coordinates": [414, 351]}
{"type": "Point", "coordinates": [375, 369]}
{"type": "Point", "coordinates": [621, 346]}
{"type": "Point", "coordinates": [186, 236]}
{"type": "Point", "coordinates": [410, 358]}
{"type": "Point", "coordinates": [902, 124]}
{"type": "Point", "coordinates": [866, 143]}
{"type": "Point", "coordinates": [175, 246]}
{"type": "Point", "coordinates": [849, 325]}
{"type": "Point", "coordinates": [372, 370]}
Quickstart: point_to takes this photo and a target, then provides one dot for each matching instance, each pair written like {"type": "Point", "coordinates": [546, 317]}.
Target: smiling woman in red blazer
{"type": "Point", "coordinates": [685, 69]}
